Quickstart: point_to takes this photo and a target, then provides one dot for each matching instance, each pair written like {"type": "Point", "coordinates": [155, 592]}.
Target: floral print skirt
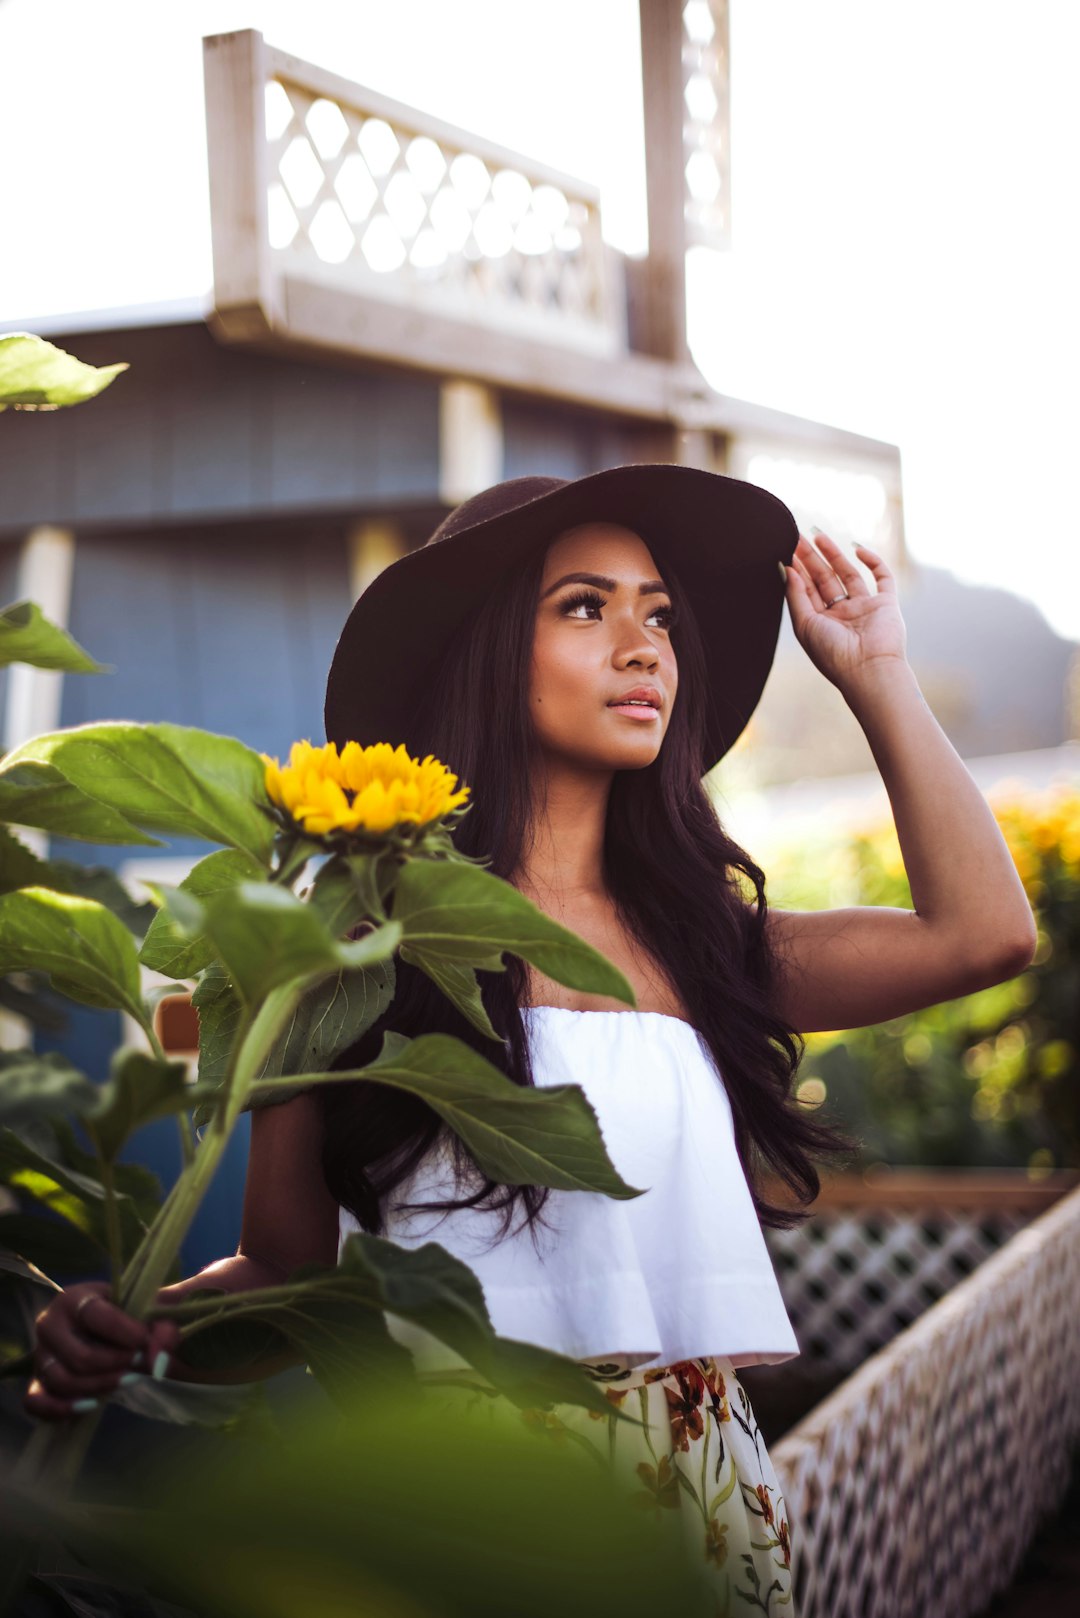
{"type": "Point", "coordinates": [694, 1448]}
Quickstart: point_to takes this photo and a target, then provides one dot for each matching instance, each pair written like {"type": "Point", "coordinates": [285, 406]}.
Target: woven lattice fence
{"type": "Point", "coordinates": [917, 1486]}
{"type": "Point", "coordinates": [853, 1278]}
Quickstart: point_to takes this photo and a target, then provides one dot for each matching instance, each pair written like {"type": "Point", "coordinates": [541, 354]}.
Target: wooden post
{"type": "Point", "coordinates": [660, 297]}
{"type": "Point", "coordinates": [234, 72]}
{"type": "Point", "coordinates": [470, 439]}
{"type": "Point", "coordinates": [32, 706]}
{"type": "Point", "coordinates": [373, 545]}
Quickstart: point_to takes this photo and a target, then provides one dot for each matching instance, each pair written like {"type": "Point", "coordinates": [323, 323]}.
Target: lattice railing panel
{"type": "Point", "coordinates": [853, 1279]}
{"type": "Point", "coordinates": [917, 1486]}
{"type": "Point", "coordinates": [365, 193]}
{"type": "Point", "coordinates": [706, 123]}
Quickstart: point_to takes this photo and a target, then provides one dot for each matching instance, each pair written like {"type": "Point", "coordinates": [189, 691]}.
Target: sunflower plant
{"type": "Point", "coordinates": [283, 981]}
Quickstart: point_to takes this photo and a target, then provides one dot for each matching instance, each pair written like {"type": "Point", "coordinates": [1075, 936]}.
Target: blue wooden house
{"type": "Point", "coordinates": [402, 313]}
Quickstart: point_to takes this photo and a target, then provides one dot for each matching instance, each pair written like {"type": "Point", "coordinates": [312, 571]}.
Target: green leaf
{"type": "Point", "coordinates": [219, 1011]}
{"type": "Point", "coordinates": [340, 896]}
{"type": "Point", "coordinates": [454, 912]}
{"type": "Point", "coordinates": [460, 985]}
{"type": "Point", "coordinates": [20, 867]}
{"type": "Point", "coordinates": [138, 1090]}
{"type": "Point", "coordinates": [166, 947]}
{"type": "Point", "coordinates": [33, 1086]}
{"type": "Point", "coordinates": [27, 636]}
{"type": "Point", "coordinates": [335, 1318]}
{"type": "Point", "coordinates": [350, 888]}
{"type": "Point", "coordinates": [168, 778]}
{"type": "Point", "coordinates": [188, 1404]}
{"type": "Point", "coordinates": [266, 937]}
{"type": "Point", "coordinates": [48, 1246]}
{"type": "Point", "coordinates": [76, 1195]}
{"type": "Point", "coordinates": [334, 1321]}
{"type": "Point", "coordinates": [34, 794]}
{"type": "Point", "coordinates": [547, 1135]}
{"type": "Point", "coordinates": [331, 1016]}
{"type": "Point", "coordinates": [89, 955]}
{"type": "Point", "coordinates": [37, 1004]}
{"type": "Point", "coordinates": [37, 375]}
{"type": "Point", "coordinates": [140, 1184]}
{"type": "Point", "coordinates": [434, 1290]}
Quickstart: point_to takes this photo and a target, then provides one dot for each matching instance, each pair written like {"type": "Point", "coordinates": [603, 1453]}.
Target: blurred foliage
{"type": "Point", "coordinates": [988, 1080]}
{"type": "Point", "coordinates": [403, 1501]}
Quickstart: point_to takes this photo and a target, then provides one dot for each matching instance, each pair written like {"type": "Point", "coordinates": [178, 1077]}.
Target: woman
{"type": "Point", "coordinates": [595, 647]}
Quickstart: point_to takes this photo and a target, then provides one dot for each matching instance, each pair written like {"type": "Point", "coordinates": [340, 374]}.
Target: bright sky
{"type": "Point", "coordinates": [905, 255]}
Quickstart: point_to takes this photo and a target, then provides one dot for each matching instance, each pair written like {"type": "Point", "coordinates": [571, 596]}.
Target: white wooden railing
{"type": "Point", "coordinates": [318, 183]}
{"type": "Point", "coordinates": [917, 1486]}
{"type": "Point", "coordinates": [878, 1251]}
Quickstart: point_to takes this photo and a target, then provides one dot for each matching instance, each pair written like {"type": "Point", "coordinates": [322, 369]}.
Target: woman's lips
{"type": "Point", "coordinates": [635, 710]}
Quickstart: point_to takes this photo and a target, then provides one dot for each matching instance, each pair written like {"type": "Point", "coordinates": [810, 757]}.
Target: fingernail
{"type": "Point", "coordinates": [128, 1378]}
{"type": "Point", "coordinates": [160, 1365]}
{"type": "Point", "coordinates": [783, 571]}
{"type": "Point", "coordinates": [83, 1405]}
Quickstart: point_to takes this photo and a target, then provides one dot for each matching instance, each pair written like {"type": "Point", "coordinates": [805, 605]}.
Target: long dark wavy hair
{"type": "Point", "coordinates": [674, 878]}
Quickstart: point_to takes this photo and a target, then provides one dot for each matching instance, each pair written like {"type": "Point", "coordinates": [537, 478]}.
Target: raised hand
{"type": "Point", "coordinates": [856, 632]}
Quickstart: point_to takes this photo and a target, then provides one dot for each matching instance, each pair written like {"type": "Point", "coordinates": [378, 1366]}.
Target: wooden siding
{"type": "Point", "coordinates": [194, 431]}
{"type": "Point", "coordinates": [230, 628]}
{"type": "Point", "coordinates": [542, 439]}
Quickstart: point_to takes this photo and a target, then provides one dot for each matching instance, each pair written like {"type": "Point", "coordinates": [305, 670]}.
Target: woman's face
{"type": "Point", "coordinates": [597, 638]}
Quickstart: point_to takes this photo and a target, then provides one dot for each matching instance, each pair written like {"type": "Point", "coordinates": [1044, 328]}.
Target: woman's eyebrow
{"type": "Point", "coordinates": [651, 587]}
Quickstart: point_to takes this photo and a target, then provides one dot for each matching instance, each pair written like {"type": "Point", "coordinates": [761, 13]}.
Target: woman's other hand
{"type": "Point", "coordinates": [85, 1345]}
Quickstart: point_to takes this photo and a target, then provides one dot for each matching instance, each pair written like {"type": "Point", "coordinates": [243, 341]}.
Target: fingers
{"type": "Point", "coordinates": [801, 566]}
{"type": "Point", "coordinates": [828, 571]}
{"type": "Point", "coordinates": [162, 1348]}
{"type": "Point", "coordinates": [85, 1346]}
{"type": "Point", "coordinates": [882, 576]}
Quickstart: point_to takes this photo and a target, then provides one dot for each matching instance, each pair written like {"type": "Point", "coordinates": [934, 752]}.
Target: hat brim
{"type": "Point", "coordinates": [724, 537]}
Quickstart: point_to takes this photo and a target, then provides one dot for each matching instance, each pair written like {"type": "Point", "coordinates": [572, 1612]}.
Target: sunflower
{"type": "Point", "coordinates": [369, 790]}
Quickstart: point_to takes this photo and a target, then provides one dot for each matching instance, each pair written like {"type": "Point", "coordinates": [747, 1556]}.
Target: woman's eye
{"type": "Point", "coordinates": [584, 598]}
{"type": "Point", "coordinates": [590, 599]}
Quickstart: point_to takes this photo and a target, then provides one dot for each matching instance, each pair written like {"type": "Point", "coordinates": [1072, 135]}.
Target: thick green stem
{"type": "Point", "coordinates": [155, 1043]}
{"type": "Point", "coordinates": [183, 1122]}
{"type": "Point", "coordinates": [149, 1268]}
{"type": "Point", "coordinates": [187, 1139]}
{"type": "Point", "coordinates": [139, 1293]}
{"type": "Point", "coordinates": [112, 1226]}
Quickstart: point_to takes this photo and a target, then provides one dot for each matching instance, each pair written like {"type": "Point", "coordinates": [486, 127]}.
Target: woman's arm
{"type": "Point", "coordinates": [289, 1219]}
{"type": "Point", "coordinates": [972, 924]}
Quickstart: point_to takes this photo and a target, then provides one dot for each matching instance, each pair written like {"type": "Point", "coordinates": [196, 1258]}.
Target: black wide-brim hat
{"type": "Point", "coordinates": [724, 538]}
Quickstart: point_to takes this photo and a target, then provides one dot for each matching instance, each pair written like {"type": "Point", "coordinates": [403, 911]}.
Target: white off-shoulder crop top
{"type": "Point", "coordinates": [677, 1273]}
